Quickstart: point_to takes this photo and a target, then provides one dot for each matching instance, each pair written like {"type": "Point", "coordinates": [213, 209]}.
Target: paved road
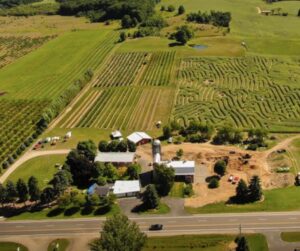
{"type": "Point", "coordinates": [214, 223]}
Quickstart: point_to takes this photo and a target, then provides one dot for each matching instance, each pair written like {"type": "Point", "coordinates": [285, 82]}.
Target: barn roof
{"type": "Point", "coordinates": [119, 157]}
{"type": "Point", "coordinates": [136, 137]}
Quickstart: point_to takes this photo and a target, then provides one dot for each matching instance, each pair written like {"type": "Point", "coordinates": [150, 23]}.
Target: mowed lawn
{"type": "Point", "coordinates": [263, 34]}
{"type": "Point", "coordinates": [203, 242]}
{"type": "Point", "coordinates": [43, 168]}
{"type": "Point", "coordinates": [12, 246]}
{"type": "Point", "coordinates": [290, 236]}
{"type": "Point", "coordinates": [281, 199]}
{"type": "Point", "coordinates": [62, 244]}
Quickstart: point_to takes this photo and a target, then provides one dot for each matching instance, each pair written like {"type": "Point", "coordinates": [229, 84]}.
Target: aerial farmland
{"type": "Point", "coordinates": [212, 87]}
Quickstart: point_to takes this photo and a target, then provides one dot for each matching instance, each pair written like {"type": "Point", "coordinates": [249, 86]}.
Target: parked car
{"type": "Point", "coordinates": [156, 227]}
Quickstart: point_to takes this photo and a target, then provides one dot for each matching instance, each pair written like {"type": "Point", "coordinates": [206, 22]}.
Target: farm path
{"type": "Point", "coordinates": [30, 155]}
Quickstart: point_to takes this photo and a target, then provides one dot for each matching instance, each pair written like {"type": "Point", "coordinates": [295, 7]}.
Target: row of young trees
{"type": "Point", "coordinates": [22, 191]}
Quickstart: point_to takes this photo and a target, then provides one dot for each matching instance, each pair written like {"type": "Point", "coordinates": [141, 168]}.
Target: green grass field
{"type": "Point", "coordinates": [11, 246]}
{"type": "Point", "coordinates": [272, 202]}
{"type": "Point", "coordinates": [43, 168]}
{"type": "Point", "coordinates": [62, 245]}
{"type": "Point", "coordinates": [290, 236]}
{"type": "Point", "coordinates": [257, 242]}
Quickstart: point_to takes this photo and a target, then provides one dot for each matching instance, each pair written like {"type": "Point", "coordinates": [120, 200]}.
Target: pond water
{"type": "Point", "coordinates": [199, 47]}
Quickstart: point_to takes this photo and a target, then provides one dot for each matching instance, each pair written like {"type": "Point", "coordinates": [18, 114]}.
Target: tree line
{"type": "Point", "coordinates": [197, 132]}
{"type": "Point", "coordinates": [102, 10]}
{"type": "Point", "coordinates": [217, 18]}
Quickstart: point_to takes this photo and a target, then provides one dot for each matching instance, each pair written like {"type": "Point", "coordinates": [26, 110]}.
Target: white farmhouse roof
{"type": "Point", "coordinates": [182, 167]}
{"type": "Point", "coordinates": [136, 137]}
{"type": "Point", "coordinates": [119, 157]}
{"type": "Point", "coordinates": [126, 186]}
{"type": "Point", "coordinates": [116, 134]}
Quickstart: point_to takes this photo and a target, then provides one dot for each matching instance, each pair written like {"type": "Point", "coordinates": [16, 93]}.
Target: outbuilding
{"type": "Point", "coordinates": [116, 135]}
{"type": "Point", "coordinates": [183, 169]}
{"type": "Point", "coordinates": [116, 158]}
{"type": "Point", "coordinates": [139, 138]}
{"type": "Point", "coordinates": [126, 188]}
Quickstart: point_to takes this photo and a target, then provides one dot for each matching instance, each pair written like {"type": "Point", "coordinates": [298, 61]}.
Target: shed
{"type": "Point", "coordinates": [117, 158]}
{"type": "Point", "coordinates": [139, 138]}
{"type": "Point", "coordinates": [126, 188]}
{"type": "Point", "coordinates": [116, 134]}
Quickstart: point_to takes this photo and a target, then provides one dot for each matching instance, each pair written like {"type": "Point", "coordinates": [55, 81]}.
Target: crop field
{"type": "Point", "coordinates": [45, 76]}
{"type": "Point", "coordinates": [17, 123]}
{"type": "Point", "coordinates": [12, 48]}
{"type": "Point", "coordinates": [122, 69]}
{"type": "Point", "coordinates": [248, 92]}
{"type": "Point", "coordinates": [28, 85]}
{"type": "Point", "coordinates": [141, 68]}
{"type": "Point", "coordinates": [159, 69]}
{"type": "Point", "coordinates": [121, 107]}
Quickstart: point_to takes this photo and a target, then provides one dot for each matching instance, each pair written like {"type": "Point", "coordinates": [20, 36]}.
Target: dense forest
{"type": "Point", "coordinates": [12, 3]}
{"type": "Point", "coordinates": [101, 10]}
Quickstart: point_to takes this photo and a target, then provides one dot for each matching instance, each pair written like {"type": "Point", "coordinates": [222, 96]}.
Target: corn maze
{"type": "Point", "coordinates": [241, 91]}
{"type": "Point", "coordinates": [17, 124]}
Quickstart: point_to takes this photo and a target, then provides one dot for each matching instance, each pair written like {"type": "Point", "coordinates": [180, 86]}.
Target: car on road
{"type": "Point", "coordinates": [156, 227]}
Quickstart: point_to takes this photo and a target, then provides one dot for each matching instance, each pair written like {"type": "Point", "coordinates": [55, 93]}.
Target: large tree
{"type": "Point", "coordinates": [255, 190]}
{"type": "Point", "coordinates": [88, 148]}
{"type": "Point", "coordinates": [241, 192]}
{"type": "Point", "coordinates": [220, 167]}
{"type": "Point", "coordinates": [33, 189]}
{"type": "Point", "coordinates": [11, 191]}
{"type": "Point", "coordinates": [61, 181]}
{"type": "Point", "coordinates": [242, 244]}
{"type": "Point", "coordinates": [48, 195]}
{"type": "Point", "coordinates": [119, 234]}
{"type": "Point", "coordinates": [22, 190]}
{"type": "Point", "coordinates": [163, 179]}
{"type": "Point", "coordinates": [133, 171]}
{"type": "Point", "coordinates": [150, 197]}
{"type": "Point", "coordinates": [81, 168]}
{"type": "Point", "coordinates": [183, 34]}
{"type": "Point", "coordinates": [3, 194]}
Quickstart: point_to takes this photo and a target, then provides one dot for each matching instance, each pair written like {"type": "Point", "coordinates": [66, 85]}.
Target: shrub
{"type": "Point", "coordinates": [220, 167]}
{"type": "Point", "coordinates": [188, 190]}
{"type": "Point", "coordinates": [171, 8]}
{"type": "Point", "coordinates": [213, 183]}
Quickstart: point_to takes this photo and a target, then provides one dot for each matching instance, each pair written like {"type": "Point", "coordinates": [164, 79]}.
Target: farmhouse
{"type": "Point", "coordinates": [99, 190]}
{"type": "Point", "coordinates": [116, 158]}
{"type": "Point", "coordinates": [126, 188]}
{"type": "Point", "coordinates": [139, 138]}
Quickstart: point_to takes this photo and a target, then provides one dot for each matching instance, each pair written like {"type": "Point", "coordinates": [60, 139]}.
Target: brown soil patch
{"type": "Point", "coordinates": [239, 165]}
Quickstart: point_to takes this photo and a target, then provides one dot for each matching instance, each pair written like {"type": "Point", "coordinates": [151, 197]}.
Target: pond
{"type": "Point", "coordinates": [199, 47]}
